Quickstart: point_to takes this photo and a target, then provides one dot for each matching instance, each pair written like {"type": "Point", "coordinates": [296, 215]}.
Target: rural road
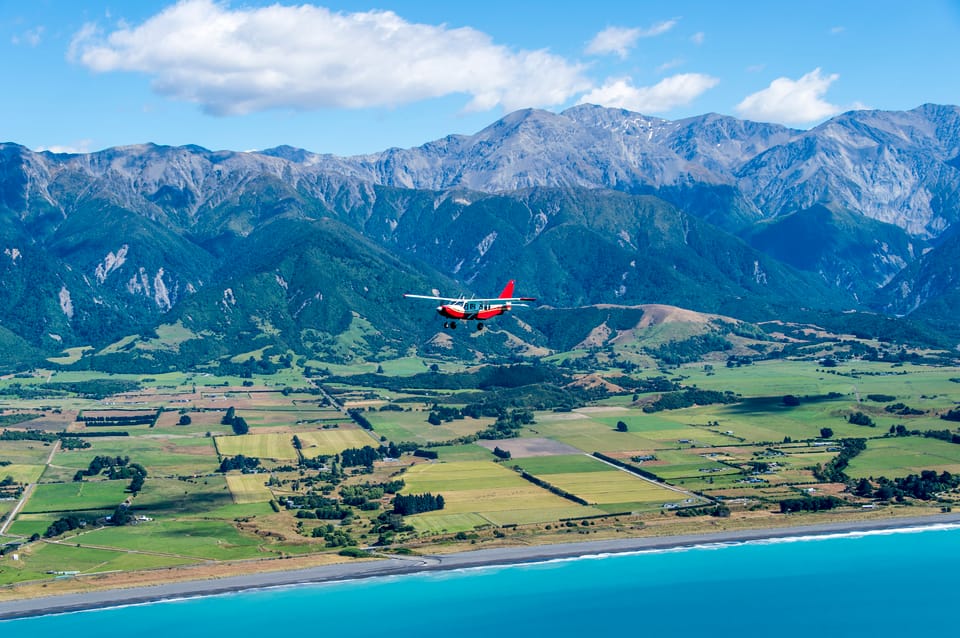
{"type": "Point", "coordinates": [27, 491]}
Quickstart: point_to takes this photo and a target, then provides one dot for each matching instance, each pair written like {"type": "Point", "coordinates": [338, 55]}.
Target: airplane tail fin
{"type": "Point", "coordinates": [507, 290]}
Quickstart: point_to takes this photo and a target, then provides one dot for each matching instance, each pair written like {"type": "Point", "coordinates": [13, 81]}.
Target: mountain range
{"type": "Point", "coordinates": [183, 255]}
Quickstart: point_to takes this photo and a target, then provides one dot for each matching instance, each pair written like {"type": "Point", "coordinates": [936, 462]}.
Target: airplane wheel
{"type": "Point", "coordinates": [446, 324]}
{"type": "Point", "coordinates": [453, 325]}
{"type": "Point", "coordinates": [479, 327]}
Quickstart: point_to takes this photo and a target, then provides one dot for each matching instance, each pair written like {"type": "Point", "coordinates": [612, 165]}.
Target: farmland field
{"type": "Point", "coordinates": [159, 454]}
{"type": "Point", "coordinates": [22, 473]}
{"type": "Point", "coordinates": [77, 496]}
{"type": "Point", "coordinates": [174, 497]}
{"type": "Point", "coordinates": [487, 492]}
{"type": "Point", "coordinates": [599, 483]}
{"type": "Point", "coordinates": [191, 539]}
{"type": "Point", "coordinates": [413, 426]}
{"type": "Point", "coordinates": [45, 558]}
{"type": "Point", "coordinates": [249, 488]}
{"type": "Point", "coordinates": [262, 446]}
{"type": "Point", "coordinates": [745, 456]}
{"type": "Point", "coordinates": [333, 441]}
{"type": "Point", "coordinates": [897, 457]}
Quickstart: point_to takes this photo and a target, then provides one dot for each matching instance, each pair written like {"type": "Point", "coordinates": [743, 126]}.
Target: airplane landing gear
{"type": "Point", "coordinates": [453, 325]}
{"type": "Point", "coordinates": [446, 324]}
{"type": "Point", "coordinates": [479, 326]}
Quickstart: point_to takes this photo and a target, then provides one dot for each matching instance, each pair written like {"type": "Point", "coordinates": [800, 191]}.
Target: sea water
{"type": "Point", "coordinates": [902, 583]}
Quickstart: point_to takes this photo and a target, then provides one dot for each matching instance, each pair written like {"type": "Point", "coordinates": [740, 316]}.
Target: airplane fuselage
{"type": "Point", "coordinates": [471, 310]}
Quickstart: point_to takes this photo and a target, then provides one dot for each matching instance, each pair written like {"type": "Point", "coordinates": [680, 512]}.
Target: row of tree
{"type": "Point", "coordinates": [409, 504]}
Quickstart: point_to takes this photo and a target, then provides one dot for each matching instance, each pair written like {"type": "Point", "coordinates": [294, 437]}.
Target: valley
{"type": "Point", "coordinates": [683, 424]}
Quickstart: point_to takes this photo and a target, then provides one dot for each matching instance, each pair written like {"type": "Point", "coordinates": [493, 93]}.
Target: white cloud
{"type": "Point", "coordinates": [837, 30]}
{"type": "Point", "coordinates": [236, 61]}
{"type": "Point", "coordinates": [791, 101]}
{"type": "Point", "coordinates": [698, 37]}
{"type": "Point", "coordinates": [30, 37]}
{"type": "Point", "coordinates": [669, 93]}
{"type": "Point", "coordinates": [620, 40]}
{"type": "Point", "coordinates": [670, 64]}
{"type": "Point", "coordinates": [83, 146]}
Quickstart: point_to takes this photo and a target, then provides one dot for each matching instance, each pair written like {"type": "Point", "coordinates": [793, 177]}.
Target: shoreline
{"type": "Point", "coordinates": [406, 565]}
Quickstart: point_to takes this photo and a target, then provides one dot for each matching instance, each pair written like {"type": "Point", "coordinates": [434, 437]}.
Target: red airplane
{"type": "Point", "coordinates": [474, 309]}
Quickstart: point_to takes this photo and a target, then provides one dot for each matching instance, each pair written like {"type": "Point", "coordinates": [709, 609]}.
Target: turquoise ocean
{"type": "Point", "coordinates": [901, 583]}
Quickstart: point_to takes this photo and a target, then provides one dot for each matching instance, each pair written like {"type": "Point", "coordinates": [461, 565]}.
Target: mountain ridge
{"type": "Point", "coordinates": [587, 206]}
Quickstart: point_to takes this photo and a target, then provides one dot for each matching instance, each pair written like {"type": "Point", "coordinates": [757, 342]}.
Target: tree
{"type": "Point", "coordinates": [826, 433]}
{"type": "Point", "coordinates": [790, 400]}
{"type": "Point", "coordinates": [621, 426]}
{"type": "Point", "coordinates": [859, 418]}
{"type": "Point", "coordinates": [240, 425]}
{"type": "Point", "coordinates": [185, 419]}
{"type": "Point", "coordinates": [864, 488]}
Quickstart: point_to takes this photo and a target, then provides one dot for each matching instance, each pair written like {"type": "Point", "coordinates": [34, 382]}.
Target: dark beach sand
{"type": "Point", "coordinates": [427, 563]}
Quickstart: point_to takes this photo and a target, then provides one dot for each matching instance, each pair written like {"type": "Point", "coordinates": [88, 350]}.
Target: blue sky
{"type": "Point", "coordinates": [349, 77]}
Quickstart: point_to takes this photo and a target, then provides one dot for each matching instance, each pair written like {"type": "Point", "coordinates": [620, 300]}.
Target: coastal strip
{"type": "Point", "coordinates": [500, 556]}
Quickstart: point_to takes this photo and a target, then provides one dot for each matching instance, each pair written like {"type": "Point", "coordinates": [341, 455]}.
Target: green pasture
{"type": "Point", "coordinates": [402, 366]}
{"type": "Point", "coordinates": [42, 558]}
{"type": "Point", "coordinates": [329, 442]}
{"type": "Point", "coordinates": [27, 525]}
{"type": "Point", "coordinates": [249, 488]}
{"type": "Point", "coordinates": [676, 464]}
{"type": "Point", "coordinates": [159, 454]}
{"type": "Point", "coordinates": [441, 522]}
{"type": "Point", "coordinates": [767, 420]}
{"type": "Point", "coordinates": [600, 483]}
{"type": "Point", "coordinates": [76, 496]}
{"type": "Point", "coordinates": [563, 464]}
{"type": "Point", "coordinates": [169, 497]}
{"type": "Point", "coordinates": [190, 538]}
{"type": "Point", "coordinates": [413, 426]}
{"type": "Point", "coordinates": [288, 415]}
{"type": "Point", "coordinates": [486, 491]}
{"type": "Point", "coordinates": [614, 486]}
{"type": "Point", "coordinates": [468, 452]}
{"type": "Point", "coordinates": [588, 434]}
{"type": "Point", "coordinates": [233, 511]}
{"type": "Point", "coordinates": [907, 382]}
{"type": "Point", "coordinates": [900, 456]}
{"type": "Point", "coordinates": [24, 452]}
{"type": "Point", "coordinates": [278, 446]}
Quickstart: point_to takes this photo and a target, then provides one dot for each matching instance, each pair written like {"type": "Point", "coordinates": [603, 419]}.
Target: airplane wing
{"type": "Point", "coordinates": [409, 296]}
{"type": "Point", "coordinates": [501, 299]}
{"type": "Point", "coordinates": [490, 300]}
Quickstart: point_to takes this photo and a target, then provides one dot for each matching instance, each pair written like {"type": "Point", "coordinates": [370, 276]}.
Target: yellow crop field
{"type": "Point", "coordinates": [613, 487]}
{"type": "Point", "coordinates": [277, 446]}
{"type": "Point", "coordinates": [330, 442]}
{"type": "Point", "coordinates": [249, 488]}
{"type": "Point", "coordinates": [22, 473]}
